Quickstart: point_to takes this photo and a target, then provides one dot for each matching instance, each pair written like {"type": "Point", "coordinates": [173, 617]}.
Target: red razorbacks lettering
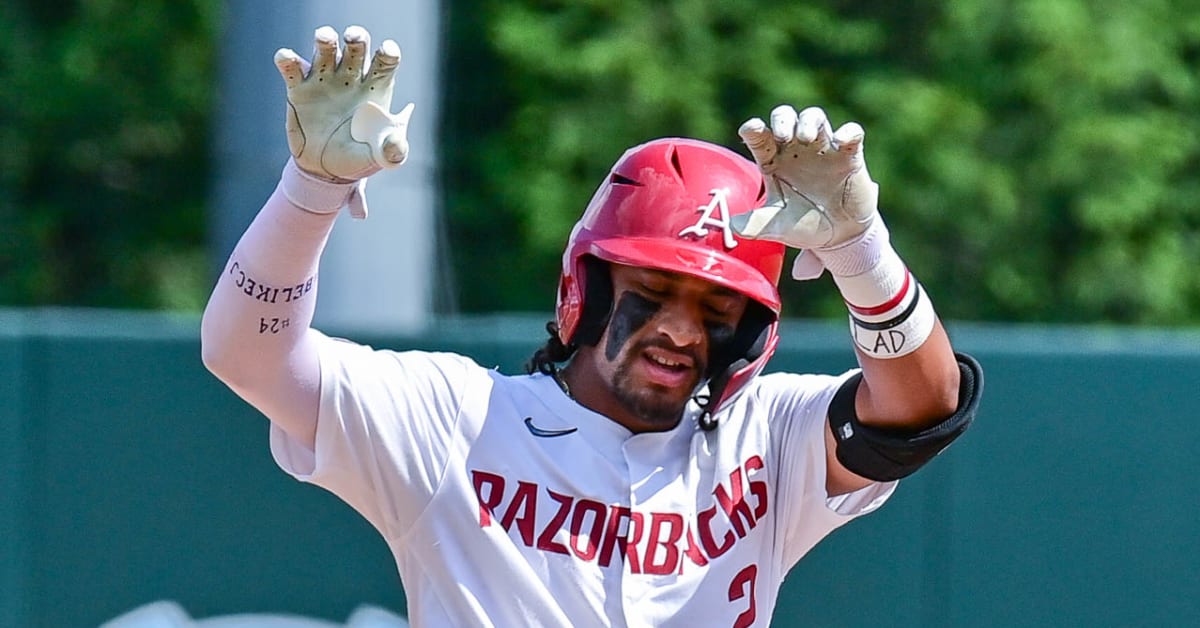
{"type": "Point", "coordinates": [653, 543]}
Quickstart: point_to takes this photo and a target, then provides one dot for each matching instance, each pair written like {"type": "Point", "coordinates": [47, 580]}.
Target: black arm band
{"type": "Point", "coordinates": [885, 455]}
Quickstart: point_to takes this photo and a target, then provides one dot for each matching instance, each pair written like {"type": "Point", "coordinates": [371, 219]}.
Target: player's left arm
{"type": "Point", "coordinates": [914, 394]}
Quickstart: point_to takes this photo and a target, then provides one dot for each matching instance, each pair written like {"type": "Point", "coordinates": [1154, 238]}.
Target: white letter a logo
{"type": "Point", "coordinates": [716, 206]}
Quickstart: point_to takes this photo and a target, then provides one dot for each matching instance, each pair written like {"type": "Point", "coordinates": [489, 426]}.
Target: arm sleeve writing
{"type": "Point", "coordinates": [255, 334]}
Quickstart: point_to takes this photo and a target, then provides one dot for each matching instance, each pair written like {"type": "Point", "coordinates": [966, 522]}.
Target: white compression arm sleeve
{"type": "Point", "coordinates": [255, 334]}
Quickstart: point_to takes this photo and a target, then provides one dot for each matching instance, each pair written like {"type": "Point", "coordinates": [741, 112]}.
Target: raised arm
{"type": "Point", "coordinates": [914, 395]}
{"type": "Point", "coordinates": [255, 334]}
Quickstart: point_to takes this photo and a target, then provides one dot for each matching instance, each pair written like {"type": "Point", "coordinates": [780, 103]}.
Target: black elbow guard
{"type": "Point", "coordinates": [886, 455]}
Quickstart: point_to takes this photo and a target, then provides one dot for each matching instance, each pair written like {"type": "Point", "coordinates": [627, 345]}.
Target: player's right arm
{"type": "Point", "coordinates": [255, 334]}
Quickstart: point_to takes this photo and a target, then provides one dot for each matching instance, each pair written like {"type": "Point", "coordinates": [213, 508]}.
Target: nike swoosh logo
{"type": "Point", "coordinates": [541, 433]}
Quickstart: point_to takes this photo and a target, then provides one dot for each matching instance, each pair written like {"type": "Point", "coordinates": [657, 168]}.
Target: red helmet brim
{"type": "Point", "coordinates": [695, 260]}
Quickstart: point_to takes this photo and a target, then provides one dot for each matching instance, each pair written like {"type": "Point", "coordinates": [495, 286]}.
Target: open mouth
{"type": "Point", "coordinates": [668, 369]}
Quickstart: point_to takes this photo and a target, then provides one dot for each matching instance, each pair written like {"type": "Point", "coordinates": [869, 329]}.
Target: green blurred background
{"type": "Point", "coordinates": [1036, 161]}
{"type": "Point", "coordinates": [1036, 158]}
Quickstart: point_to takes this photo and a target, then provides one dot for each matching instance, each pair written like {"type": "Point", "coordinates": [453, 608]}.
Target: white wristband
{"type": "Point", "coordinates": [320, 196]}
{"type": "Point", "coordinates": [890, 314]}
{"type": "Point", "coordinates": [896, 328]}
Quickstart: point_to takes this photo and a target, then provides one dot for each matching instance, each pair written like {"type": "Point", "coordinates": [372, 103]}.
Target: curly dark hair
{"type": "Point", "coordinates": [547, 358]}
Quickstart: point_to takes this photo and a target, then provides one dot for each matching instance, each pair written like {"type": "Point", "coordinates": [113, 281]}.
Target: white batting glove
{"type": "Point", "coordinates": [822, 200]}
{"type": "Point", "coordinates": [820, 195]}
{"type": "Point", "coordinates": [339, 125]}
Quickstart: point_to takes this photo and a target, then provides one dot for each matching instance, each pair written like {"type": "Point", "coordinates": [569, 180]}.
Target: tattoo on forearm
{"type": "Point", "coordinates": [268, 294]}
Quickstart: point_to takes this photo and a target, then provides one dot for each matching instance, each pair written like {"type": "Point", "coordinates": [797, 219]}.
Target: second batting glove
{"type": "Point", "coordinates": [340, 128]}
{"type": "Point", "coordinates": [820, 195]}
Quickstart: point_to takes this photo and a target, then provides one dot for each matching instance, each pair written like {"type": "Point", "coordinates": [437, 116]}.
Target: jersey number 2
{"type": "Point", "coordinates": [743, 586]}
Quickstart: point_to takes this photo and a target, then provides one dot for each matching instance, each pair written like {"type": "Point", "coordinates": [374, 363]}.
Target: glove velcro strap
{"type": "Point", "coordinates": [314, 194]}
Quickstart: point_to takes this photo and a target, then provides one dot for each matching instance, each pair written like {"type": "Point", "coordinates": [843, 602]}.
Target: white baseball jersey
{"type": "Point", "coordinates": [505, 503]}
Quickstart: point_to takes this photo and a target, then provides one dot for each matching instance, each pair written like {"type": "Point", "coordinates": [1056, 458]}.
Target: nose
{"type": "Point", "coordinates": [681, 323]}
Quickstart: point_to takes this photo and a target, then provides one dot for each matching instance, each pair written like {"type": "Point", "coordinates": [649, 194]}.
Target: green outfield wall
{"type": "Point", "coordinates": [129, 475]}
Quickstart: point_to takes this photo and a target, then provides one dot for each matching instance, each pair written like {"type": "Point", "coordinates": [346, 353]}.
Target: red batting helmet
{"type": "Point", "coordinates": [666, 204]}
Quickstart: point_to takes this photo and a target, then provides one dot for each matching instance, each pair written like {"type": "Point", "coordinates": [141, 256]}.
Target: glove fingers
{"type": "Point", "coordinates": [326, 53]}
{"type": "Point", "coordinates": [783, 123]}
{"type": "Point", "coordinates": [379, 79]}
{"type": "Point", "coordinates": [849, 138]}
{"type": "Point", "coordinates": [358, 41]}
{"type": "Point", "coordinates": [383, 63]}
{"type": "Point", "coordinates": [759, 140]}
{"type": "Point", "coordinates": [820, 192]}
{"type": "Point", "coordinates": [291, 66]}
{"type": "Point", "coordinates": [339, 125]}
{"type": "Point", "coordinates": [813, 129]}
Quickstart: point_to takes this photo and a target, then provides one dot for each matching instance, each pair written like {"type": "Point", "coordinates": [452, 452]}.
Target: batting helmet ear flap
{"type": "Point", "coordinates": [597, 301]}
{"type": "Point", "coordinates": [749, 342]}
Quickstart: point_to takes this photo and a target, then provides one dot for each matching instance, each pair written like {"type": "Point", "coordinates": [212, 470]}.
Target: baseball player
{"type": "Point", "coordinates": [644, 472]}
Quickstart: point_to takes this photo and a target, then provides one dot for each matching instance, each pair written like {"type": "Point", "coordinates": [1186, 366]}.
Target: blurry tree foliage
{"type": "Point", "coordinates": [1037, 160]}
{"type": "Point", "coordinates": [105, 107]}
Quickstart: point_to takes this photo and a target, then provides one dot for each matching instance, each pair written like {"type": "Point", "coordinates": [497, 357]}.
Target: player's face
{"type": "Point", "coordinates": [656, 348]}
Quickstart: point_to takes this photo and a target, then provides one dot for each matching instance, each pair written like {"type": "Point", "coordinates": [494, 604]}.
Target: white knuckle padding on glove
{"type": "Point", "coordinates": [339, 125]}
{"type": "Point", "coordinates": [820, 194]}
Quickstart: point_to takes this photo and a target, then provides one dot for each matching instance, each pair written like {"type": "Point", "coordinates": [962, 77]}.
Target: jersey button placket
{"type": "Point", "coordinates": [652, 461]}
{"type": "Point", "coordinates": [633, 582]}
